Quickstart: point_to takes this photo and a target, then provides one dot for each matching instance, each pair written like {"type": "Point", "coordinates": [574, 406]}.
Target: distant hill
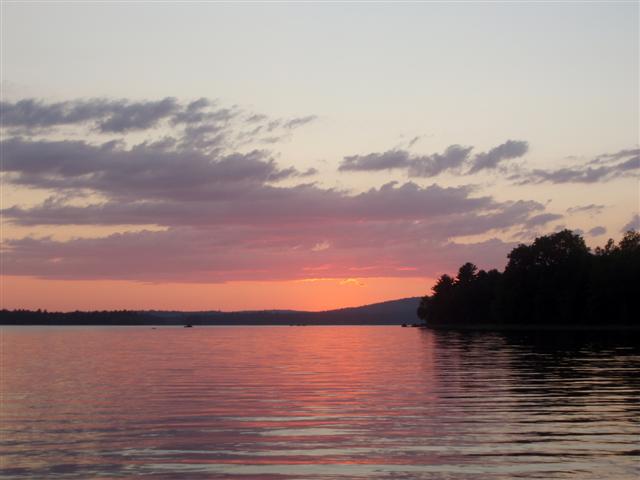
{"type": "Point", "coordinates": [394, 312]}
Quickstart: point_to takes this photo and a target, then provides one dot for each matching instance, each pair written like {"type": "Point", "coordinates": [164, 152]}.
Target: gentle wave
{"type": "Point", "coordinates": [317, 403]}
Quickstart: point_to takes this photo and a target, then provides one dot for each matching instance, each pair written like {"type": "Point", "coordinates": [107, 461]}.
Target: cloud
{"type": "Point", "coordinates": [299, 121]}
{"type": "Point", "coordinates": [591, 208]}
{"type": "Point", "coordinates": [137, 116]}
{"type": "Point", "coordinates": [541, 219]}
{"type": "Point", "coordinates": [259, 231]}
{"type": "Point", "coordinates": [256, 203]}
{"type": "Point", "coordinates": [401, 230]}
{"type": "Point", "coordinates": [570, 175]}
{"type": "Point", "coordinates": [414, 140]}
{"type": "Point", "coordinates": [318, 247]}
{"type": "Point", "coordinates": [376, 161]}
{"type": "Point", "coordinates": [509, 150]}
{"type": "Point", "coordinates": [107, 115]}
{"type": "Point", "coordinates": [596, 231]}
{"type": "Point", "coordinates": [221, 212]}
{"type": "Point", "coordinates": [144, 171]}
{"type": "Point", "coordinates": [417, 166]}
{"type": "Point", "coordinates": [256, 117]}
{"type": "Point", "coordinates": [430, 166]}
{"type": "Point", "coordinates": [454, 158]}
{"type": "Point", "coordinates": [197, 111]}
{"type": "Point", "coordinates": [198, 123]}
{"type": "Point", "coordinates": [619, 155]}
{"type": "Point", "coordinates": [634, 224]}
{"type": "Point", "coordinates": [458, 159]}
{"type": "Point", "coordinates": [603, 168]}
{"type": "Point", "coordinates": [232, 254]}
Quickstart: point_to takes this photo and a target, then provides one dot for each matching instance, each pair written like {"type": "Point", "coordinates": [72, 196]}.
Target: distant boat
{"type": "Point", "coordinates": [188, 325]}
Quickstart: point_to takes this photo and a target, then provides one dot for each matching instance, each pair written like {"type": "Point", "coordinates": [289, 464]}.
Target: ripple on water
{"type": "Point", "coordinates": [317, 403]}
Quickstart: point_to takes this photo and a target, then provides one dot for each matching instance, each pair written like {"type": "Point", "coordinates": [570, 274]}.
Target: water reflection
{"type": "Point", "coordinates": [317, 402]}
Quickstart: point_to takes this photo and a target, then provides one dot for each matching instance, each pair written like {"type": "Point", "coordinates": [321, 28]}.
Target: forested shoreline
{"type": "Point", "coordinates": [394, 312]}
{"type": "Point", "coordinates": [555, 281]}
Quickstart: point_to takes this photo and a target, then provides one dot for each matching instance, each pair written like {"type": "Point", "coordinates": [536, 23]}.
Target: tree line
{"type": "Point", "coordinates": [44, 317]}
{"type": "Point", "coordinates": [557, 280]}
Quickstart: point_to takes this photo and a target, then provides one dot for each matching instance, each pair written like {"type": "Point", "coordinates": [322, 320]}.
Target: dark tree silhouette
{"type": "Point", "coordinates": [466, 274]}
{"type": "Point", "coordinates": [554, 281]}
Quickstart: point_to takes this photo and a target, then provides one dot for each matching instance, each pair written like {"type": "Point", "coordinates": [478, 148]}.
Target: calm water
{"type": "Point", "coordinates": [316, 403]}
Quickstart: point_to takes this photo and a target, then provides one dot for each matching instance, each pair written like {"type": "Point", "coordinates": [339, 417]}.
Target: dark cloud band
{"type": "Point", "coordinates": [225, 209]}
{"type": "Point", "coordinates": [455, 158]}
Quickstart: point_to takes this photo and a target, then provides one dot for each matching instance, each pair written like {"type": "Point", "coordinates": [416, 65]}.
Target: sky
{"type": "Point", "coordinates": [220, 156]}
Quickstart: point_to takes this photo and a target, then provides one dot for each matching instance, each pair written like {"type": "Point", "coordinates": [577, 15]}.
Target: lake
{"type": "Point", "coordinates": [317, 403]}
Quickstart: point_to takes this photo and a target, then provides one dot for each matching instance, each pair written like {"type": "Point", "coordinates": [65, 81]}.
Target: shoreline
{"type": "Point", "coordinates": [531, 327]}
{"type": "Point", "coordinates": [452, 328]}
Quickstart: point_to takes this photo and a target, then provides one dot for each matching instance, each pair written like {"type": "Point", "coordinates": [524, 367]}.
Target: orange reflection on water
{"type": "Point", "coordinates": [307, 402]}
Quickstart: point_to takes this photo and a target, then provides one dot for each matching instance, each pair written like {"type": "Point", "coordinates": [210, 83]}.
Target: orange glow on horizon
{"type": "Point", "coordinates": [312, 294]}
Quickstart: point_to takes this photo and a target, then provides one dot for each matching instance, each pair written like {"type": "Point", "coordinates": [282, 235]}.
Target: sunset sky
{"type": "Point", "coordinates": [195, 156]}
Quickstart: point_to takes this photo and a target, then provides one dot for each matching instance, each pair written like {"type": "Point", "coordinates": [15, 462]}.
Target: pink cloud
{"type": "Point", "coordinates": [225, 213]}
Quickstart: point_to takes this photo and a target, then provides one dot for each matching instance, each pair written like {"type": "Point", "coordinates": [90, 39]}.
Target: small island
{"type": "Point", "coordinates": [556, 282]}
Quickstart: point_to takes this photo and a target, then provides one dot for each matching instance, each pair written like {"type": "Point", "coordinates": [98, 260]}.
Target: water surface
{"type": "Point", "coordinates": [317, 403]}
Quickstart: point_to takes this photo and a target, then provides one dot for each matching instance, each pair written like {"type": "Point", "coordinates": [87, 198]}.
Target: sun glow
{"type": "Point", "coordinates": [313, 294]}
